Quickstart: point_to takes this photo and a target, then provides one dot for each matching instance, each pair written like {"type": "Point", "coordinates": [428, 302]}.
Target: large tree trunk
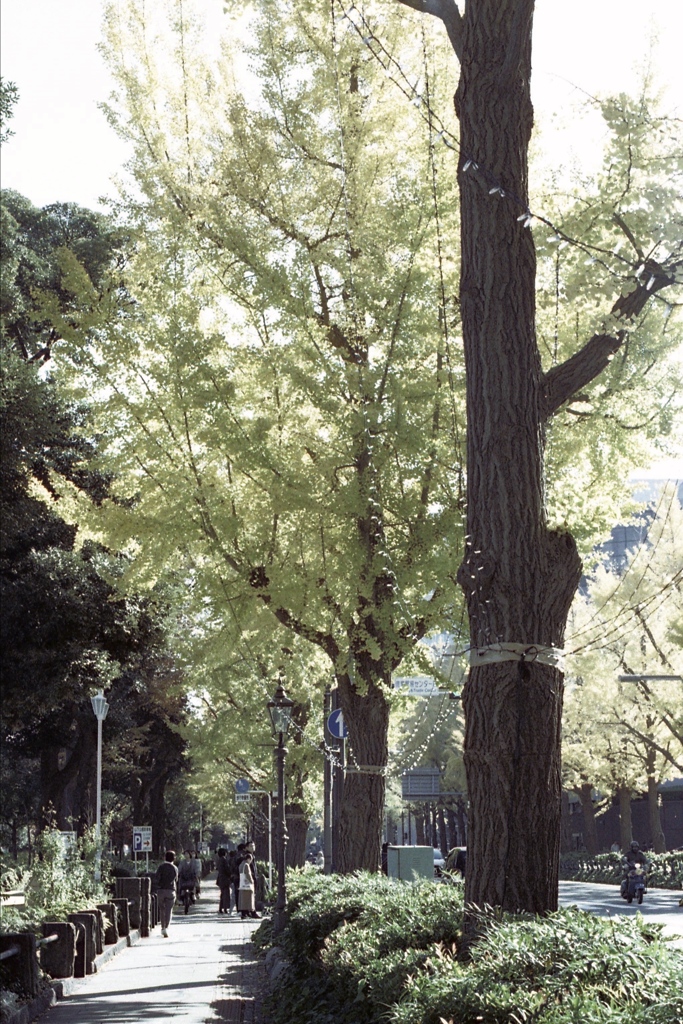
{"type": "Point", "coordinates": [297, 829]}
{"type": "Point", "coordinates": [519, 578]}
{"type": "Point", "coordinates": [362, 810]}
{"type": "Point", "coordinates": [590, 829]}
{"type": "Point", "coordinates": [419, 826]}
{"type": "Point", "coordinates": [157, 814]}
{"type": "Point", "coordinates": [443, 837]}
{"type": "Point", "coordinates": [625, 818]}
{"type": "Point", "coordinates": [656, 831]}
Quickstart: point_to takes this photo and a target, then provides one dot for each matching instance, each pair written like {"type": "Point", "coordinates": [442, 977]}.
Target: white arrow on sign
{"type": "Point", "coordinates": [336, 725]}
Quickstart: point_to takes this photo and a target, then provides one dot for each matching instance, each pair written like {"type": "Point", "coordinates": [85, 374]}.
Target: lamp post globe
{"type": "Point", "coordinates": [100, 708]}
{"type": "Point", "coordinates": [280, 708]}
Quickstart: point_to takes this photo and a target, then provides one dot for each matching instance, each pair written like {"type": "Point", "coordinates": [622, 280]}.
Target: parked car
{"type": "Point", "coordinates": [438, 862]}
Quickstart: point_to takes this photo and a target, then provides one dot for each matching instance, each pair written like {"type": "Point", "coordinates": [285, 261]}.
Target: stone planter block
{"type": "Point", "coordinates": [131, 889]}
{"type": "Point", "coordinates": [85, 954]}
{"type": "Point", "coordinates": [99, 929]}
{"type": "Point", "coordinates": [58, 958]}
{"type": "Point", "coordinates": [20, 972]}
{"type": "Point", "coordinates": [122, 915]}
{"type": "Point", "coordinates": [111, 931]}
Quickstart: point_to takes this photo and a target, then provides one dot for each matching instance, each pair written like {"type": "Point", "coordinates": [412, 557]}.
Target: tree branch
{"type": "Point", "coordinates": [259, 582]}
{"type": "Point", "coordinates": [652, 744]}
{"type": "Point", "coordinates": [562, 382]}
{"type": "Point", "coordinates": [447, 11]}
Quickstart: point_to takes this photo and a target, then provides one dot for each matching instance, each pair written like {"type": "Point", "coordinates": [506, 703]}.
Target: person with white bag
{"type": "Point", "coordinates": [247, 890]}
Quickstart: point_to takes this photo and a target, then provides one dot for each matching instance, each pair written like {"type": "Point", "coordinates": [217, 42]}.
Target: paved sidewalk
{"type": "Point", "coordinates": [203, 973]}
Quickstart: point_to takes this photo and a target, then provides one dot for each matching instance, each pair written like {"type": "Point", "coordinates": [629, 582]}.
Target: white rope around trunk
{"type": "Point", "coordinates": [494, 653]}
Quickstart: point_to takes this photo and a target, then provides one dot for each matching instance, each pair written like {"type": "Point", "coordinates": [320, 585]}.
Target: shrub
{"type": "Point", "coordinates": [60, 882]}
{"type": "Point", "coordinates": [364, 950]}
{"type": "Point", "coordinates": [666, 873]}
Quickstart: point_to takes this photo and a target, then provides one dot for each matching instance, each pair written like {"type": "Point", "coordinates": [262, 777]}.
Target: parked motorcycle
{"type": "Point", "coordinates": [634, 885]}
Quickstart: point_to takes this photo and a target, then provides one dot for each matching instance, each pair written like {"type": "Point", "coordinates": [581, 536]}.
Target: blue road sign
{"type": "Point", "coordinates": [336, 725]}
{"type": "Point", "coordinates": [242, 786]}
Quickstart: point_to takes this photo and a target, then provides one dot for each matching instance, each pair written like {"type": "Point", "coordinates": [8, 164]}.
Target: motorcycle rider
{"type": "Point", "coordinates": [633, 856]}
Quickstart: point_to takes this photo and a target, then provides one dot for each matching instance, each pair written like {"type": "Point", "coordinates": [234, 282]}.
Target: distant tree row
{"type": "Point", "coordinates": [65, 629]}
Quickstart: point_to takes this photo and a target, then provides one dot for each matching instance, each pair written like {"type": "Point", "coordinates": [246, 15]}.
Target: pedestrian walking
{"type": "Point", "coordinates": [247, 889]}
{"type": "Point", "coordinates": [166, 878]}
{"type": "Point", "coordinates": [197, 864]}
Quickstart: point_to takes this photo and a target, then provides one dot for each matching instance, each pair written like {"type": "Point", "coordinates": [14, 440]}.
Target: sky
{"type": "Point", "coordinates": [64, 150]}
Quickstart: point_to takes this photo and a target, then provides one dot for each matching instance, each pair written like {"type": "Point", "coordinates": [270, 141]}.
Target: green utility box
{"type": "Point", "coordinates": [410, 862]}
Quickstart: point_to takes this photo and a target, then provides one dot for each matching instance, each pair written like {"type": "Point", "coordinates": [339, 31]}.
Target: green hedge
{"type": "Point", "coordinates": [666, 873]}
{"type": "Point", "coordinates": [366, 950]}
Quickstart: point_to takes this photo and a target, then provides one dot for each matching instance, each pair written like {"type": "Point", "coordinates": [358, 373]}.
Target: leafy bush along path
{"type": "Point", "coordinates": [364, 950]}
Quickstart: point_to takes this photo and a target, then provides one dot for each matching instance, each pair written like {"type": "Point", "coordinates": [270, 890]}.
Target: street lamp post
{"type": "Point", "coordinates": [280, 708]}
{"type": "Point", "coordinates": [100, 707]}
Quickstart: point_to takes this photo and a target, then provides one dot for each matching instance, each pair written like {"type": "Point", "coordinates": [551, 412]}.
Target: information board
{"type": "Point", "coordinates": [142, 838]}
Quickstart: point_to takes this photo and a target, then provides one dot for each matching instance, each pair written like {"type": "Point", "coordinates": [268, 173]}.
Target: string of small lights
{"type": "Point", "coordinates": [402, 763]}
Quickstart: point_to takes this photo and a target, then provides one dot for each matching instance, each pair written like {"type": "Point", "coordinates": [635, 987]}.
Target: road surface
{"type": "Point", "coordinates": [660, 905]}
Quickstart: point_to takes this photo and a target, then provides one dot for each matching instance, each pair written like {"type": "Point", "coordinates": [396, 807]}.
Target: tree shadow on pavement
{"type": "Point", "coordinates": [245, 982]}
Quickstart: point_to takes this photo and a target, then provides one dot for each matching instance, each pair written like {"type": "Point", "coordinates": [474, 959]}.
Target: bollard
{"type": "Point", "coordinates": [145, 901]}
{"type": "Point", "coordinates": [131, 889]}
{"type": "Point", "coordinates": [99, 928]}
{"type": "Point", "coordinates": [155, 910]}
{"type": "Point", "coordinates": [111, 932]}
{"type": "Point", "coordinates": [19, 965]}
{"type": "Point", "coordinates": [85, 953]}
{"type": "Point", "coordinates": [58, 958]}
{"type": "Point", "coordinates": [79, 960]}
{"type": "Point", "coordinates": [122, 916]}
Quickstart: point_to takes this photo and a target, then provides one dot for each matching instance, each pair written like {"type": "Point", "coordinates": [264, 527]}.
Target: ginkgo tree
{"type": "Point", "coordinates": [232, 673]}
{"type": "Point", "coordinates": [285, 396]}
{"type": "Point", "coordinates": [282, 396]}
{"type": "Point", "coordinates": [626, 734]}
{"type": "Point", "coordinates": [521, 571]}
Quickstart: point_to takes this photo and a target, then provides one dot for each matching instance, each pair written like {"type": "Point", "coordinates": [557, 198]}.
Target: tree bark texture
{"type": "Point", "coordinates": [625, 818]}
{"type": "Point", "coordinates": [590, 830]}
{"type": "Point", "coordinates": [420, 827]}
{"type": "Point", "coordinates": [443, 836]}
{"type": "Point", "coordinates": [366, 715]}
{"type": "Point", "coordinates": [297, 828]}
{"type": "Point", "coordinates": [519, 577]}
{"type": "Point", "coordinates": [656, 831]}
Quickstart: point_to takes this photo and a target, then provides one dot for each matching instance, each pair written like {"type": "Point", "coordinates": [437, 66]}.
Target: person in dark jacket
{"type": "Point", "coordinates": [234, 875]}
{"type": "Point", "coordinates": [224, 881]}
{"type": "Point", "coordinates": [634, 855]}
{"type": "Point", "coordinates": [166, 878]}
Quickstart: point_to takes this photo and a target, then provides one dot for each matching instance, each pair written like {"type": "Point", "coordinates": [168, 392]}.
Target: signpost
{"type": "Point", "coordinates": [336, 725]}
{"type": "Point", "coordinates": [418, 686]}
{"type": "Point", "coordinates": [142, 843]}
{"type": "Point", "coordinates": [243, 795]}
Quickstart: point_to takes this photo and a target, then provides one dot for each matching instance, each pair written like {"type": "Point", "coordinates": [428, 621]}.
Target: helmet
{"type": "Point", "coordinates": [635, 845]}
